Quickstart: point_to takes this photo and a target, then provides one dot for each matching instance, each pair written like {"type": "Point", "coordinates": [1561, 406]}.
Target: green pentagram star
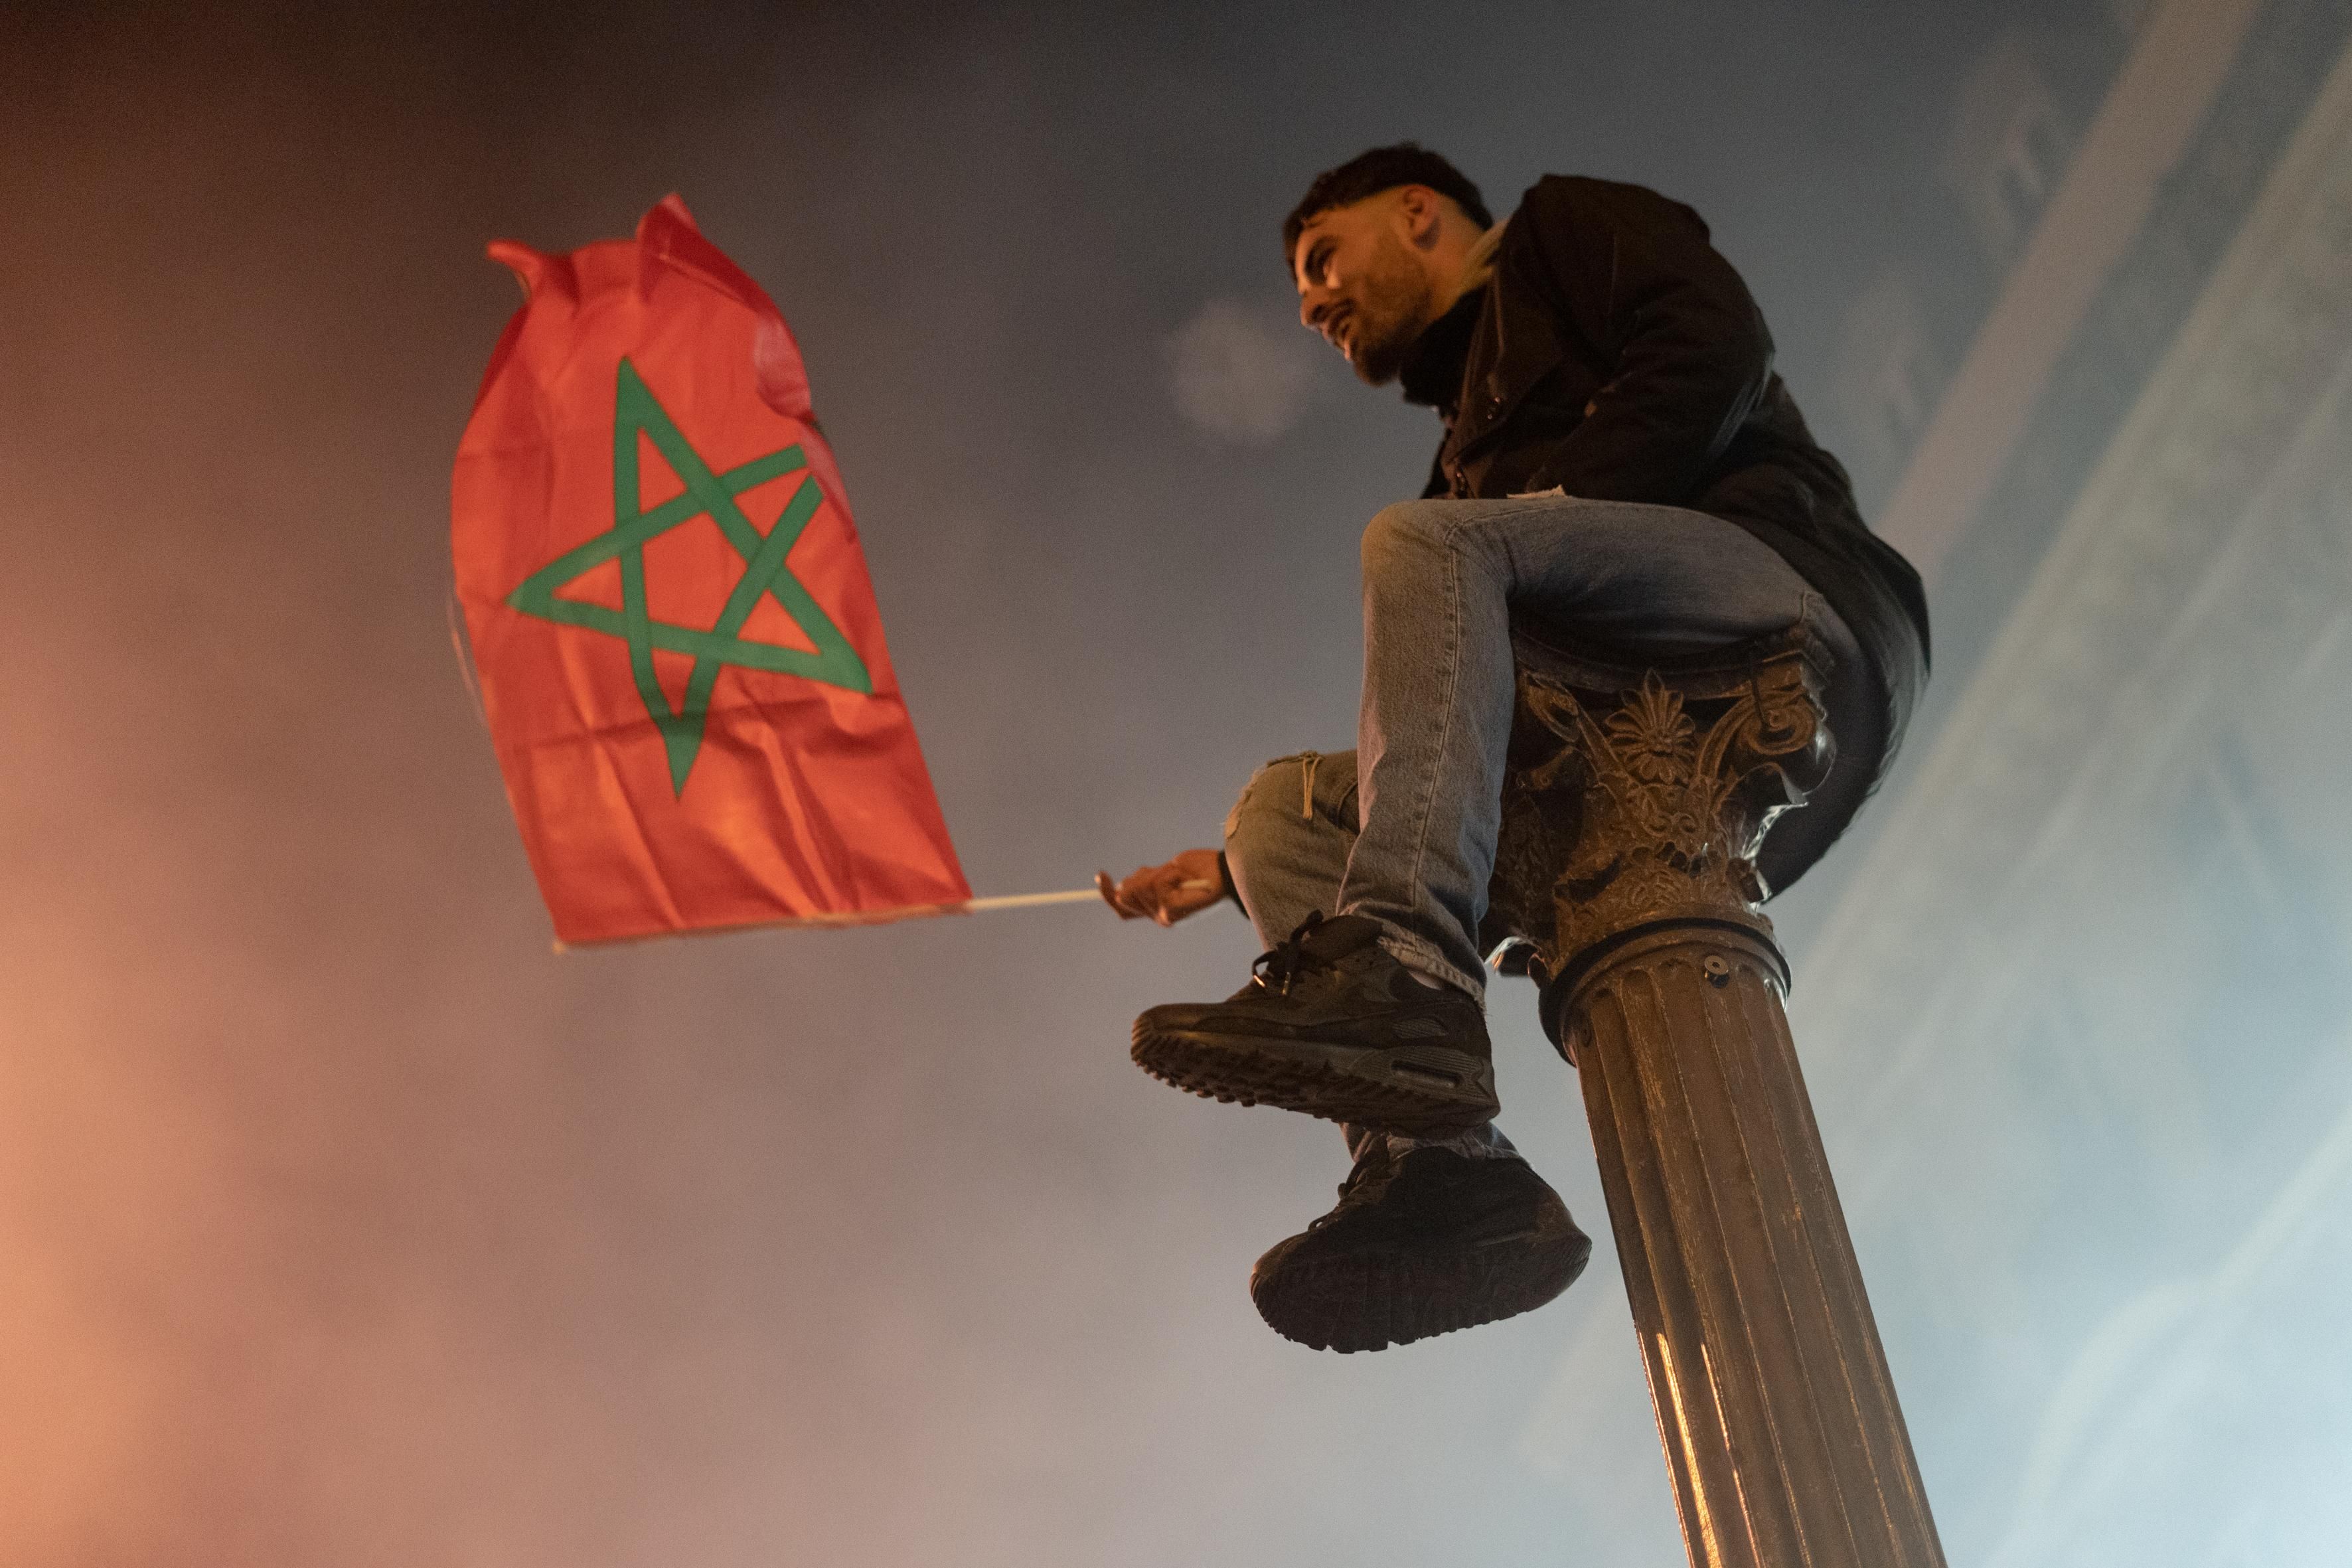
{"type": "Point", "coordinates": [835, 662]}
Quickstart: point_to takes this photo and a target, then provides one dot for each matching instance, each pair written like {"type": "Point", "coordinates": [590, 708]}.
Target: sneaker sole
{"type": "Point", "coordinates": [1422, 1091]}
{"type": "Point", "coordinates": [1370, 1301]}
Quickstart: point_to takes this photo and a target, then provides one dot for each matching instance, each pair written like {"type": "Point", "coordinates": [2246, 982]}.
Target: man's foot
{"type": "Point", "coordinates": [1419, 1245]}
{"type": "Point", "coordinates": [1332, 1025]}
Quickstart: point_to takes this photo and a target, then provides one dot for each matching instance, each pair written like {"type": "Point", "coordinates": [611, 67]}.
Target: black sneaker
{"type": "Point", "coordinates": [1332, 1025]}
{"type": "Point", "coordinates": [1419, 1245]}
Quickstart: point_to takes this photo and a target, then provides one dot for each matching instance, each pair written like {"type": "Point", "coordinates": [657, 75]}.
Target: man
{"type": "Point", "coordinates": [1619, 462]}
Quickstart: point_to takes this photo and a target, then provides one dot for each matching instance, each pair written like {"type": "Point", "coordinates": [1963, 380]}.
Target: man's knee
{"type": "Point", "coordinates": [1292, 809]}
{"type": "Point", "coordinates": [1405, 536]}
{"type": "Point", "coordinates": [1267, 808]}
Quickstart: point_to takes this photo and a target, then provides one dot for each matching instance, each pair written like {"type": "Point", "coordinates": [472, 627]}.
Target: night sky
{"type": "Point", "coordinates": [341, 1221]}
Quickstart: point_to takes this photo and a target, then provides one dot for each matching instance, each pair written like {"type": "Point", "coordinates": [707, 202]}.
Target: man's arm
{"type": "Point", "coordinates": [1636, 276]}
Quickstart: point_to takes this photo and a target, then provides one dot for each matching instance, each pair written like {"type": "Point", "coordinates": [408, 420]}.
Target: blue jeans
{"type": "Point", "coordinates": [1403, 829]}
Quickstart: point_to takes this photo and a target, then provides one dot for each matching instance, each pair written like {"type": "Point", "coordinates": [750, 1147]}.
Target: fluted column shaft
{"type": "Point", "coordinates": [1781, 1431]}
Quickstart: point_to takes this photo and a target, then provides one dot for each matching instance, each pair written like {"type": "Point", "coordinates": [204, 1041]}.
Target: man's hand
{"type": "Point", "coordinates": [1184, 886]}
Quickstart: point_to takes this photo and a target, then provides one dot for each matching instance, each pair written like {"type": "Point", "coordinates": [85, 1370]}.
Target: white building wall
{"type": "Point", "coordinates": [2080, 1032]}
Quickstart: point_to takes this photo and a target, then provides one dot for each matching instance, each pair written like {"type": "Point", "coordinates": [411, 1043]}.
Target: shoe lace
{"type": "Point", "coordinates": [1274, 969]}
{"type": "Point", "coordinates": [1374, 1168]}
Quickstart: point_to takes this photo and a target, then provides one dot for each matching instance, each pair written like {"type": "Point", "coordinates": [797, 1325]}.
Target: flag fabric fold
{"type": "Point", "coordinates": [679, 653]}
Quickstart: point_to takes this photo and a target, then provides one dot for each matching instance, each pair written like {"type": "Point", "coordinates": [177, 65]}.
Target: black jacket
{"type": "Point", "coordinates": [1616, 355]}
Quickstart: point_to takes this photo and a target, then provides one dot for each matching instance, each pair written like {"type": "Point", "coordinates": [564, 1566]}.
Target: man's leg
{"type": "Point", "coordinates": [1442, 580]}
{"type": "Point", "coordinates": [1288, 839]}
{"type": "Point", "coordinates": [1428, 1235]}
{"type": "Point", "coordinates": [1375, 1015]}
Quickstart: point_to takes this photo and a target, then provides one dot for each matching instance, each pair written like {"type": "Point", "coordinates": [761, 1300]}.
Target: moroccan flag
{"type": "Point", "coordinates": [679, 652]}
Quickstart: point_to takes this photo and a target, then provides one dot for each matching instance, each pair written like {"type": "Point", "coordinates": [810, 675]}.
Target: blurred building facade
{"type": "Point", "coordinates": [2078, 1019]}
{"type": "Point", "coordinates": [2079, 1025]}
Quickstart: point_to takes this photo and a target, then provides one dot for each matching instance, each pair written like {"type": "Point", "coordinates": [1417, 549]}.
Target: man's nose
{"type": "Point", "coordinates": [1313, 305]}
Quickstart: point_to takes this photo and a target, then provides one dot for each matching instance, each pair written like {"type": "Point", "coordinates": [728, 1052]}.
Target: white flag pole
{"type": "Point", "coordinates": [1027, 900]}
{"type": "Point", "coordinates": [889, 917]}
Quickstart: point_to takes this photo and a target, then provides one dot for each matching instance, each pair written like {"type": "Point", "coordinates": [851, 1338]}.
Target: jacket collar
{"type": "Point", "coordinates": [1432, 375]}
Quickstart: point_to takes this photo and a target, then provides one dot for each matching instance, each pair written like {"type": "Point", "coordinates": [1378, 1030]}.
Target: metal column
{"type": "Point", "coordinates": [1635, 804]}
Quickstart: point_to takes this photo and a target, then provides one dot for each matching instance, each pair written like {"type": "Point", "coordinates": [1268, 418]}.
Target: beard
{"type": "Point", "coordinates": [1390, 313]}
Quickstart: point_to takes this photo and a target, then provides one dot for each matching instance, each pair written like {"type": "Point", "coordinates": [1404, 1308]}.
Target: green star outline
{"type": "Point", "coordinates": [835, 662]}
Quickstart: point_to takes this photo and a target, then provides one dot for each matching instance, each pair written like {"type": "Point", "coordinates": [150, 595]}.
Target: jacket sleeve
{"type": "Point", "coordinates": [1225, 880]}
{"type": "Point", "coordinates": [1636, 276]}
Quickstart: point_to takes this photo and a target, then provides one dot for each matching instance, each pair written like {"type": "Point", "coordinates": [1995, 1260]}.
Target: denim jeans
{"type": "Point", "coordinates": [1403, 829]}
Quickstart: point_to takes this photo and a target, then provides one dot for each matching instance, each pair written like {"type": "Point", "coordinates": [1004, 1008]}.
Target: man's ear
{"type": "Point", "coordinates": [1418, 204]}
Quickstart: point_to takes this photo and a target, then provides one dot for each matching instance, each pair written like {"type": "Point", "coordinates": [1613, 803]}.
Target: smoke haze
{"type": "Point", "coordinates": [341, 1222]}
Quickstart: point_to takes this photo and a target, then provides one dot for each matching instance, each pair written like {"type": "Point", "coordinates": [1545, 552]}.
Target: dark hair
{"type": "Point", "coordinates": [1370, 174]}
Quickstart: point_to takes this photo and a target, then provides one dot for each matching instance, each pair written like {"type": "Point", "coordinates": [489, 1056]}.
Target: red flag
{"type": "Point", "coordinates": [680, 656]}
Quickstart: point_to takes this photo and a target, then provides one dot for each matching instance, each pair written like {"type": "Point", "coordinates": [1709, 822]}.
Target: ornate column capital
{"type": "Point", "coordinates": [1637, 796]}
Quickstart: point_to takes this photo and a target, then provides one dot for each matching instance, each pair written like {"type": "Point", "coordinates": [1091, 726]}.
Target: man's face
{"type": "Point", "coordinates": [1360, 286]}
